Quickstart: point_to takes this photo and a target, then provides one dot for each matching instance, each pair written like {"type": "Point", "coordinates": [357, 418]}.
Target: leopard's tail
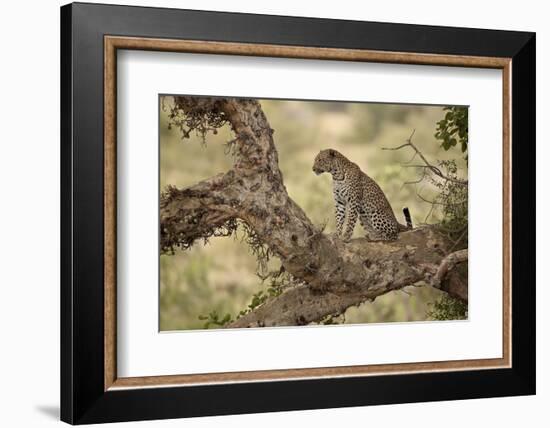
{"type": "Point", "coordinates": [408, 219]}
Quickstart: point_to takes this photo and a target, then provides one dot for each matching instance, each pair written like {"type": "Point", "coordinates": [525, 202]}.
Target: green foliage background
{"type": "Point", "coordinates": [219, 278]}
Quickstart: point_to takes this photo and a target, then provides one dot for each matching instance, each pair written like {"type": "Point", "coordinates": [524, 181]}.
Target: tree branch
{"type": "Point", "coordinates": [365, 271]}
{"type": "Point", "coordinates": [427, 165]}
{"type": "Point", "coordinates": [333, 275]}
{"type": "Point", "coordinates": [448, 264]}
{"type": "Point", "coordinates": [200, 211]}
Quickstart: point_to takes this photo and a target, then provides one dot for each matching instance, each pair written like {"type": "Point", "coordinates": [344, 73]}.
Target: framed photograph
{"type": "Point", "coordinates": [265, 213]}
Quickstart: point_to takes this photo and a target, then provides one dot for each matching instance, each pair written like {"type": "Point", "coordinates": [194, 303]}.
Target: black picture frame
{"type": "Point", "coordinates": [83, 398]}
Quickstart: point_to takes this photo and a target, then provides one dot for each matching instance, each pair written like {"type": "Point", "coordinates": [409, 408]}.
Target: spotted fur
{"type": "Point", "coordinates": [357, 196]}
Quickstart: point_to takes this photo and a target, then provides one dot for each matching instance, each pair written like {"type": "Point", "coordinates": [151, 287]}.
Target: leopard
{"type": "Point", "coordinates": [358, 196]}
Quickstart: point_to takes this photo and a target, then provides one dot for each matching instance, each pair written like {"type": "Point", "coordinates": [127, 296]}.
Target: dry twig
{"type": "Point", "coordinates": [434, 169]}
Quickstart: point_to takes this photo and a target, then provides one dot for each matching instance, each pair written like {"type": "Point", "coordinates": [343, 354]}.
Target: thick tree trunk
{"type": "Point", "coordinates": [333, 275]}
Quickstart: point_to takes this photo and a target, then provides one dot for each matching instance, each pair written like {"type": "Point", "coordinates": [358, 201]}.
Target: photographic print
{"type": "Point", "coordinates": [301, 203]}
{"type": "Point", "coordinates": [296, 212]}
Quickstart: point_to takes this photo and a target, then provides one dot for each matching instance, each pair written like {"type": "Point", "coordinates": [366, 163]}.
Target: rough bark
{"type": "Point", "coordinates": [333, 275]}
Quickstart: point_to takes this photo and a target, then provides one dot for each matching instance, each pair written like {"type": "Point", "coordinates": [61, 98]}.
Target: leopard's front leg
{"type": "Point", "coordinates": [340, 204]}
{"type": "Point", "coordinates": [352, 219]}
{"type": "Point", "coordinates": [340, 214]}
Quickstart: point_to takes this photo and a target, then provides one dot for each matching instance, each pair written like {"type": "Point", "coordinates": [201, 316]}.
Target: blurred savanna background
{"type": "Point", "coordinates": [219, 279]}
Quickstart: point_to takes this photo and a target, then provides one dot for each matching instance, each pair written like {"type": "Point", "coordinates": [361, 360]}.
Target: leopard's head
{"type": "Point", "coordinates": [326, 161]}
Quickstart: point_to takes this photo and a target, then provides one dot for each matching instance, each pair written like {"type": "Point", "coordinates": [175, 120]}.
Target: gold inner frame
{"type": "Point", "coordinates": [112, 43]}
